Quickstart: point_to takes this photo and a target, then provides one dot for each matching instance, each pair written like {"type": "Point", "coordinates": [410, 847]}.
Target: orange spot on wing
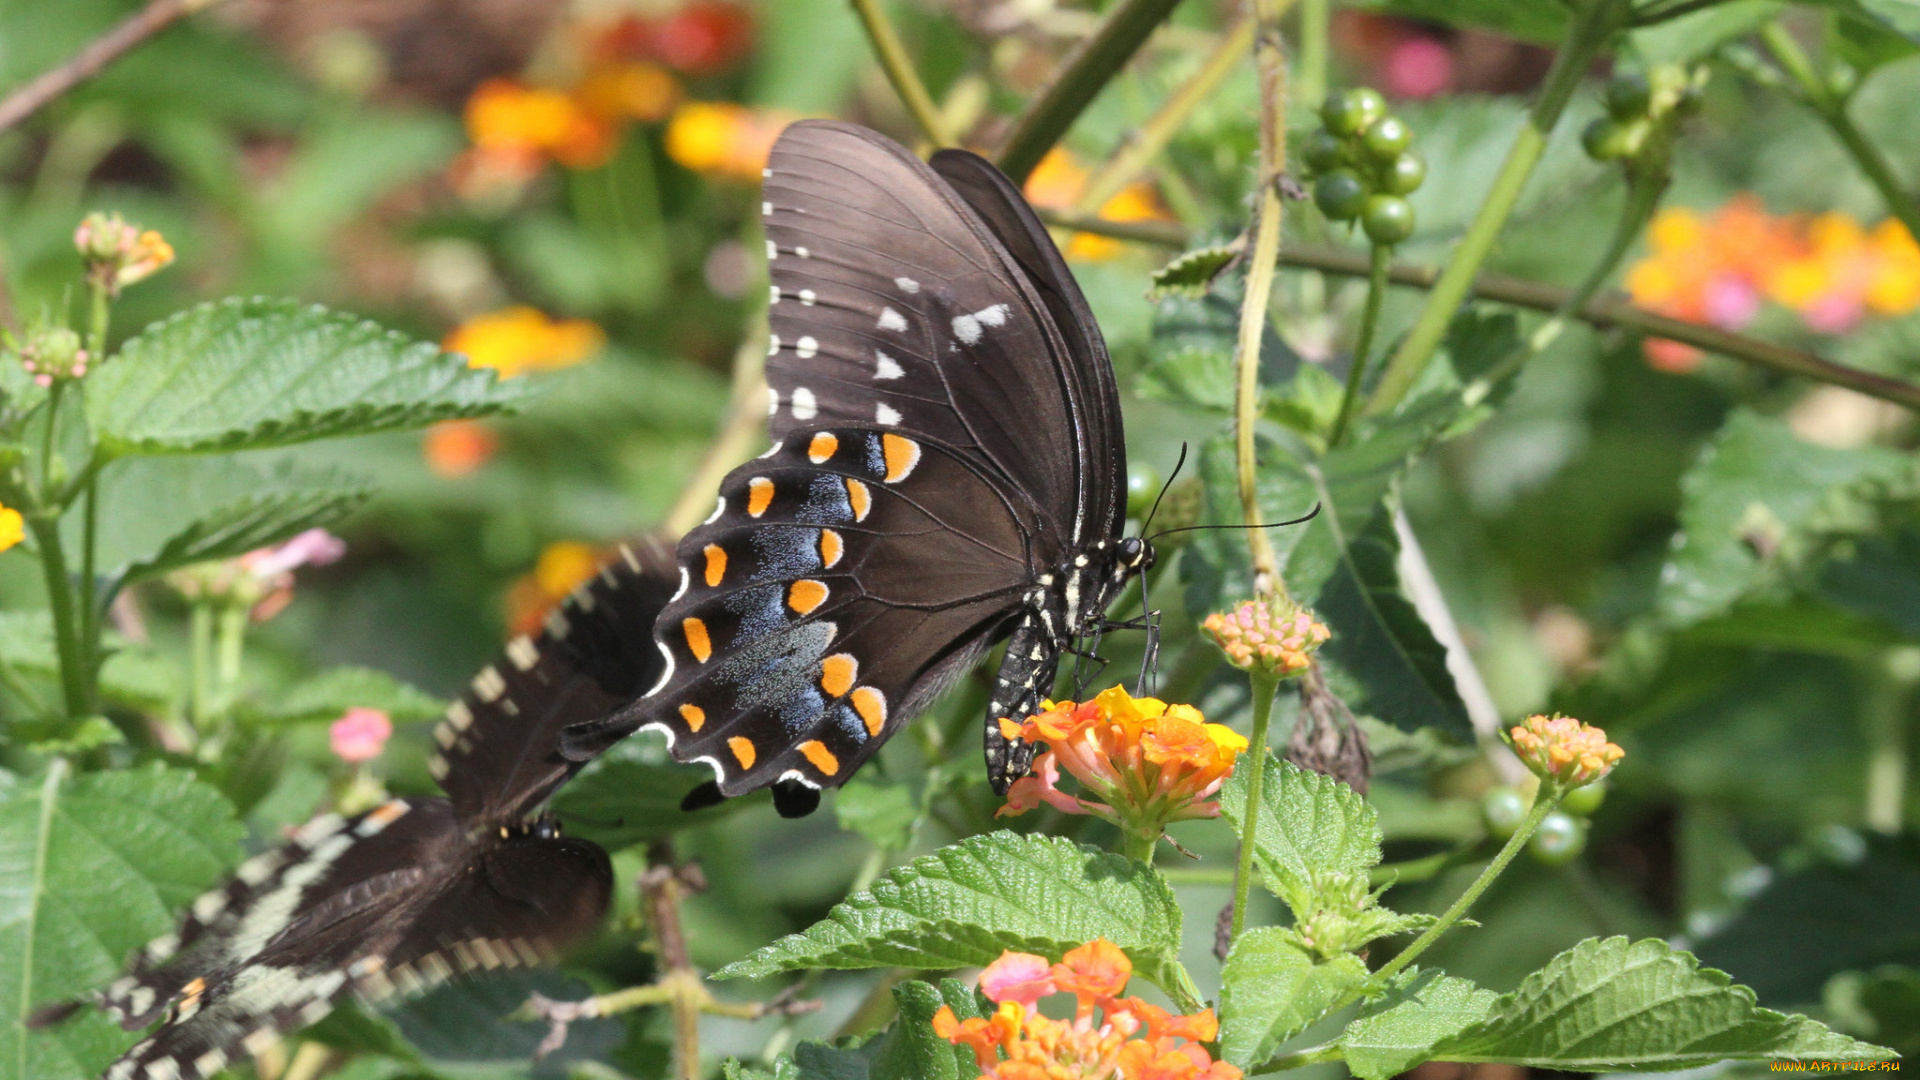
{"type": "Point", "coordinates": [831, 547]}
{"type": "Point", "coordinates": [388, 812]}
{"type": "Point", "coordinates": [805, 595]}
{"type": "Point", "coordinates": [837, 673]}
{"type": "Point", "coordinates": [716, 564]}
{"type": "Point", "coordinates": [743, 751]}
{"type": "Point", "coordinates": [871, 704]}
{"type": "Point", "coordinates": [759, 495]}
{"type": "Point", "coordinates": [821, 757]}
{"type": "Point", "coordinates": [697, 639]}
{"type": "Point", "coordinates": [902, 455]}
{"type": "Point", "coordinates": [860, 497]}
{"type": "Point", "coordinates": [694, 715]}
{"type": "Point", "coordinates": [822, 447]}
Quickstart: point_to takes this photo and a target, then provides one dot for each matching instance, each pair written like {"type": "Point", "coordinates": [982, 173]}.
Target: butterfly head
{"type": "Point", "coordinates": [1134, 555]}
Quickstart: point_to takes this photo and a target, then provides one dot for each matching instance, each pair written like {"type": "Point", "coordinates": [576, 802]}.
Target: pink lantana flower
{"type": "Point", "coordinates": [360, 735]}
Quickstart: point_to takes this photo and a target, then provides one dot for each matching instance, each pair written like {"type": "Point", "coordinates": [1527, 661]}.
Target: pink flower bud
{"type": "Point", "coordinates": [1276, 637]}
{"type": "Point", "coordinates": [360, 735]}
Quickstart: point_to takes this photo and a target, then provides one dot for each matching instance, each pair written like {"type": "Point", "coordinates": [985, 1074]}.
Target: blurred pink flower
{"type": "Point", "coordinates": [360, 735]}
{"type": "Point", "coordinates": [315, 547]}
{"type": "Point", "coordinates": [1730, 302]}
{"type": "Point", "coordinates": [1017, 976]}
{"type": "Point", "coordinates": [1417, 67]}
{"type": "Point", "coordinates": [1834, 313]}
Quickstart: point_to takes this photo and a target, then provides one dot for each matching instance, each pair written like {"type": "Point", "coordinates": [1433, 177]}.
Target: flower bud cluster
{"type": "Point", "coordinates": [1275, 637]}
{"type": "Point", "coordinates": [118, 254]}
{"type": "Point", "coordinates": [1564, 750]}
{"type": "Point", "coordinates": [54, 355]}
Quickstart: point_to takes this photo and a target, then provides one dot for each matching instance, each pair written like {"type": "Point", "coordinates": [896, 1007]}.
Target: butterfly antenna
{"type": "Point", "coordinates": [1163, 488]}
{"type": "Point", "coordinates": [1308, 516]}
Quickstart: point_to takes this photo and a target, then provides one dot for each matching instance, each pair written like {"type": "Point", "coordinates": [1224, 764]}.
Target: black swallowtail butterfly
{"type": "Point", "coordinates": [417, 889]}
{"type": "Point", "coordinates": [947, 470]}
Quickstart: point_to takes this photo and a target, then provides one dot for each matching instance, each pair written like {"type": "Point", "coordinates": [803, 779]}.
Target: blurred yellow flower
{"type": "Point", "coordinates": [562, 567]}
{"type": "Point", "coordinates": [521, 339]}
{"type": "Point", "coordinates": [723, 139]}
{"type": "Point", "coordinates": [633, 90]}
{"type": "Point", "coordinates": [1056, 183]}
{"type": "Point", "coordinates": [13, 527]}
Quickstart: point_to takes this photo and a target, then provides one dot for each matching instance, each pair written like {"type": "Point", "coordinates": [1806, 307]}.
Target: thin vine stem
{"type": "Point", "coordinates": [1264, 688]}
{"type": "Point", "coordinates": [1831, 108]}
{"type": "Point", "coordinates": [1380, 260]}
{"type": "Point", "coordinates": [1085, 74]}
{"type": "Point", "coordinates": [892, 54]}
{"type": "Point", "coordinates": [53, 566]}
{"type": "Point", "coordinates": [1592, 30]}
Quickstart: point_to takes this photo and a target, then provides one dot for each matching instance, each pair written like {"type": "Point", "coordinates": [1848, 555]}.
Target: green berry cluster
{"type": "Point", "coordinates": [1562, 834]}
{"type": "Point", "coordinates": [1637, 104]}
{"type": "Point", "coordinates": [1364, 165]}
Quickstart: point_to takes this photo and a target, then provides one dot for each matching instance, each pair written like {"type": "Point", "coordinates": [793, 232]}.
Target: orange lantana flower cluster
{"type": "Point", "coordinates": [1720, 268]}
{"type": "Point", "coordinates": [1132, 1039]}
{"type": "Point", "coordinates": [1145, 762]}
{"type": "Point", "coordinates": [1056, 183]}
{"type": "Point", "coordinates": [1563, 749]}
{"type": "Point", "coordinates": [563, 566]}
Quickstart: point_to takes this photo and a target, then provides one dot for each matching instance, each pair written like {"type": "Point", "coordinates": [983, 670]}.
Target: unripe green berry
{"type": "Point", "coordinates": [1607, 139]}
{"type": "Point", "coordinates": [1143, 486]}
{"type": "Point", "coordinates": [1584, 800]}
{"type": "Point", "coordinates": [1386, 138]}
{"type": "Point", "coordinates": [1628, 96]}
{"type": "Point", "coordinates": [1388, 219]}
{"type": "Point", "coordinates": [1324, 151]}
{"type": "Point", "coordinates": [1560, 839]}
{"type": "Point", "coordinates": [1350, 112]}
{"type": "Point", "coordinates": [1405, 174]}
{"type": "Point", "coordinates": [1503, 808]}
{"type": "Point", "coordinates": [1340, 195]}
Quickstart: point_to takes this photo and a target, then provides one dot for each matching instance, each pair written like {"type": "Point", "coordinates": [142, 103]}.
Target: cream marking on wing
{"type": "Point", "coordinates": [971, 328]}
{"type": "Point", "coordinates": [885, 413]}
{"type": "Point", "coordinates": [907, 284]}
{"type": "Point", "coordinates": [886, 367]}
{"type": "Point", "coordinates": [804, 406]}
{"type": "Point", "coordinates": [806, 347]}
{"type": "Point", "coordinates": [892, 320]}
{"type": "Point", "coordinates": [522, 652]}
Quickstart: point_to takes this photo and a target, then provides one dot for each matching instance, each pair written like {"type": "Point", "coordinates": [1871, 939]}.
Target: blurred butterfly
{"type": "Point", "coordinates": [415, 890]}
{"type": "Point", "coordinates": [948, 470]}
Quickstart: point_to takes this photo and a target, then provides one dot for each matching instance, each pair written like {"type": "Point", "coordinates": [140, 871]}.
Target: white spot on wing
{"type": "Point", "coordinates": [766, 209]}
{"type": "Point", "coordinates": [802, 252]}
{"type": "Point", "coordinates": [892, 320]}
{"type": "Point", "coordinates": [773, 251]}
{"type": "Point", "coordinates": [773, 401]}
{"type": "Point", "coordinates": [773, 294]}
{"type": "Point", "coordinates": [907, 284]}
{"type": "Point", "coordinates": [522, 652]}
{"type": "Point", "coordinates": [806, 347]}
{"type": "Point", "coordinates": [773, 344]}
{"type": "Point", "coordinates": [971, 328]}
{"type": "Point", "coordinates": [885, 413]}
{"type": "Point", "coordinates": [886, 367]}
{"type": "Point", "coordinates": [804, 407]}
{"type": "Point", "coordinates": [807, 297]}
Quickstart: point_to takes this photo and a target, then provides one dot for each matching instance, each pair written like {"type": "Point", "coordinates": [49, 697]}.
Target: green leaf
{"type": "Point", "coordinates": [1696, 35]}
{"type": "Point", "coordinates": [887, 814]}
{"type": "Point", "coordinates": [632, 795]}
{"type": "Point", "coordinates": [964, 904]}
{"type": "Point", "coordinates": [133, 675]}
{"type": "Point", "coordinates": [332, 692]}
{"type": "Point", "coordinates": [1191, 274]}
{"type": "Point", "coordinates": [1639, 1006]}
{"type": "Point", "coordinates": [1381, 641]}
{"type": "Point", "coordinates": [1755, 504]}
{"type": "Point", "coordinates": [1397, 1030]}
{"type": "Point", "coordinates": [911, 1051]}
{"type": "Point", "coordinates": [1195, 375]}
{"type": "Point", "coordinates": [91, 868]}
{"type": "Point", "coordinates": [1273, 987]}
{"type": "Point", "coordinates": [1543, 24]}
{"type": "Point", "coordinates": [157, 514]}
{"type": "Point", "coordinates": [247, 373]}
{"type": "Point", "coordinates": [1314, 836]}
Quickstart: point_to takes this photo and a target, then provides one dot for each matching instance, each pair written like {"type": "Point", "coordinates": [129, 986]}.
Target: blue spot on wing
{"type": "Point", "coordinates": [785, 552]}
{"type": "Point", "coordinates": [850, 723]}
{"type": "Point", "coordinates": [800, 712]}
{"type": "Point", "coordinates": [761, 612]}
{"type": "Point", "coordinates": [876, 456]}
{"type": "Point", "coordinates": [826, 502]}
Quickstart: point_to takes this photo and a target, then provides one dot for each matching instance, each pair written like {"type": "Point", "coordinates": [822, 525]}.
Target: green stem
{"type": "Point", "coordinates": [233, 636]}
{"type": "Point", "coordinates": [1138, 848]}
{"type": "Point", "coordinates": [1310, 79]}
{"type": "Point", "coordinates": [1264, 687]}
{"type": "Point", "coordinates": [1378, 264]}
{"type": "Point", "coordinates": [1145, 143]}
{"type": "Point", "coordinates": [200, 661]}
{"type": "Point", "coordinates": [1270, 61]}
{"type": "Point", "coordinates": [90, 592]}
{"type": "Point", "coordinates": [894, 60]}
{"type": "Point", "coordinates": [1593, 29]}
{"type": "Point", "coordinates": [1543, 804]}
{"type": "Point", "coordinates": [1643, 198]}
{"type": "Point", "coordinates": [1086, 73]}
{"type": "Point", "coordinates": [97, 325]}
{"type": "Point", "coordinates": [1832, 110]}
{"type": "Point", "coordinates": [53, 566]}
{"type": "Point", "coordinates": [48, 440]}
{"type": "Point", "coordinates": [1601, 311]}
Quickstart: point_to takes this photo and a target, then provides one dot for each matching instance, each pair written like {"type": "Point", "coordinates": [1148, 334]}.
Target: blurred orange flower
{"type": "Point", "coordinates": [629, 90]}
{"type": "Point", "coordinates": [723, 139]}
{"type": "Point", "coordinates": [1718, 270]}
{"type": "Point", "coordinates": [1056, 183]}
{"type": "Point", "coordinates": [457, 448]}
{"type": "Point", "coordinates": [702, 37]}
{"type": "Point", "coordinates": [1132, 1039]}
{"type": "Point", "coordinates": [562, 567]}
{"type": "Point", "coordinates": [519, 339]}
